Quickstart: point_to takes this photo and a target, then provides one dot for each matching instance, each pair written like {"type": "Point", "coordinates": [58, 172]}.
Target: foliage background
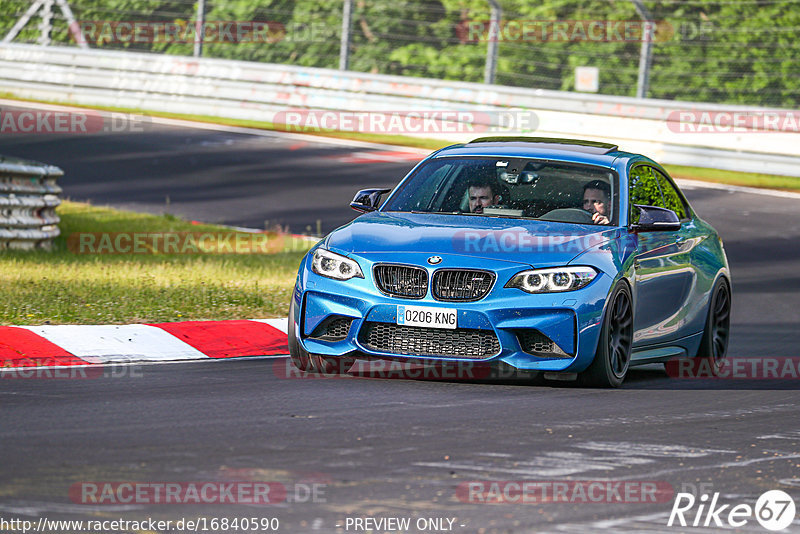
{"type": "Point", "coordinates": [728, 51]}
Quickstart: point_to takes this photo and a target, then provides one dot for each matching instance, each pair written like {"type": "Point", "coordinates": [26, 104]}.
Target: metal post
{"type": "Point", "coordinates": [23, 20]}
{"type": "Point", "coordinates": [344, 49]}
{"type": "Point", "coordinates": [47, 7]}
{"type": "Point", "coordinates": [74, 27]}
{"type": "Point", "coordinates": [200, 24]}
{"type": "Point", "coordinates": [646, 52]}
{"type": "Point", "coordinates": [494, 37]}
{"type": "Point", "coordinates": [46, 23]}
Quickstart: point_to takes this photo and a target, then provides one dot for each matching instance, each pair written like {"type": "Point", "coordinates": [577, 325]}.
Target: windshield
{"type": "Point", "coordinates": [510, 187]}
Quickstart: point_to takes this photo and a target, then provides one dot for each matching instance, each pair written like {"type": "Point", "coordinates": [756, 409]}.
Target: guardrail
{"type": "Point", "coordinates": [259, 91]}
{"type": "Point", "coordinates": [28, 199]}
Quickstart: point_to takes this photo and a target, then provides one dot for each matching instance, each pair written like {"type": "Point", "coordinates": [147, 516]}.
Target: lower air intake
{"type": "Point", "coordinates": [537, 344]}
{"type": "Point", "coordinates": [333, 329]}
{"type": "Point", "coordinates": [417, 341]}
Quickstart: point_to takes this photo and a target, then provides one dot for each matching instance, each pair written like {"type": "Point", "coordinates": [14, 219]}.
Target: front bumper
{"type": "Point", "coordinates": [572, 320]}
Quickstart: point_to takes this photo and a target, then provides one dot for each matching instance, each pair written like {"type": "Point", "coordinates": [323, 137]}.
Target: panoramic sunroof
{"type": "Point", "coordinates": [575, 145]}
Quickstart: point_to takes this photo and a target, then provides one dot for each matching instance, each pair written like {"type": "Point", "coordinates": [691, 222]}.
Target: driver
{"type": "Point", "coordinates": [482, 194]}
{"type": "Point", "coordinates": [596, 196]}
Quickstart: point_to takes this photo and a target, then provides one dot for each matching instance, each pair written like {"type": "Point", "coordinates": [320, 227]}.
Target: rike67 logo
{"type": "Point", "coordinates": [774, 510]}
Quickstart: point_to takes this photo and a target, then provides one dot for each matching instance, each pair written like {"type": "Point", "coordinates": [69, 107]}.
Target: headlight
{"type": "Point", "coordinates": [326, 263]}
{"type": "Point", "coordinates": [553, 280]}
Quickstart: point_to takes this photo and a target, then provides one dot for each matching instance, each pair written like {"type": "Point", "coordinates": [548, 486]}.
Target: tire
{"type": "Point", "coordinates": [714, 345]}
{"type": "Point", "coordinates": [308, 362]}
{"type": "Point", "coordinates": [300, 358]}
{"type": "Point", "coordinates": [332, 365]}
{"type": "Point", "coordinates": [613, 356]}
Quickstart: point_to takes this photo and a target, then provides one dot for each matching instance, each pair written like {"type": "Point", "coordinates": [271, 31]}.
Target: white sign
{"type": "Point", "coordinates": [587, 79]}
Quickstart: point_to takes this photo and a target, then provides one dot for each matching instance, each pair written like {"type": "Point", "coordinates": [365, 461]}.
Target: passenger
{"type": "Point", "coordinates": [596, 200]}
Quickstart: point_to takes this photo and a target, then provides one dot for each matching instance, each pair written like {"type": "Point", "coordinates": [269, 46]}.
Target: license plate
{"type": "Point", "coordinates": [427, 316]}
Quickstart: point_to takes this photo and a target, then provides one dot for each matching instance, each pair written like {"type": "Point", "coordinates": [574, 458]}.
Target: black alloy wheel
{"type": "Point", "coordinates": [613, 357]}
{"type": "Point", "coordinates": [714, 345]}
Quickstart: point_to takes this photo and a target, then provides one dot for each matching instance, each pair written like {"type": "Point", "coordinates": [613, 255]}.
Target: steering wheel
{"type": "Point", "coordinates": [573, 215]}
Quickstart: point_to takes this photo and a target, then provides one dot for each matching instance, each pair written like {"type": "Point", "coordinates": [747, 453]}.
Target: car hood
{"type": "Point", "coordinates": [531, 242]}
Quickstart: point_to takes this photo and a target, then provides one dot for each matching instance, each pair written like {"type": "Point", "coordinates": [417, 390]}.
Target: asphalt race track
{"type": "Point", "coordinates": [374, 445]}
{"type": "Point", "coordinates": [213, 176]}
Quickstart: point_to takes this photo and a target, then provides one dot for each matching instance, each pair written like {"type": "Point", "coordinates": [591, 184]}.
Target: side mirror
{"type": "Point", "coordinates": [368, 200]}
{"type": "Point", "coordinates": [653, 218]}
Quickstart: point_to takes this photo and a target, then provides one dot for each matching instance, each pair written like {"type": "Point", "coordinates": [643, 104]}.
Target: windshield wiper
{"type": "Point", "coordinates": [436, 212]}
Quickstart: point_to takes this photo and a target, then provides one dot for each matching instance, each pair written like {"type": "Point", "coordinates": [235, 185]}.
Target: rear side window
{"type": "Point", "coordinates": [672, 200]}
{"type": "Point", "coordinates": [644, 190]}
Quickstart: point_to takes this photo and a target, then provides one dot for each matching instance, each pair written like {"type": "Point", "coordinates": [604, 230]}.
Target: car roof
{"type": "Point", "coordinates": [573, 150]}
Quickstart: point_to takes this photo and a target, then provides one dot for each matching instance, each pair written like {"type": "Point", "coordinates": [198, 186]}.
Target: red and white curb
{"type": "Point", "coordinates": [57, 345]}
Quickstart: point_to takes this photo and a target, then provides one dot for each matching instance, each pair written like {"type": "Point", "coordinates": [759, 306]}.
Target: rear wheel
{"type": "Point", "coordinates": [610, 364]}
{"type": "Point", "coordinates": [714, 345]}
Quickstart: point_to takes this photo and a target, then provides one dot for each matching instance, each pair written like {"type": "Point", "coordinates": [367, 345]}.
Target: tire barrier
{"type": "Point", "coordinates": [28, 200]}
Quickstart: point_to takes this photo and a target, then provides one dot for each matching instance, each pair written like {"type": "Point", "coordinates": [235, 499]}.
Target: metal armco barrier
{"type": "Point", "coordinates": [259, 91]}
{"type": "Point", "coordinates": [28, 199]}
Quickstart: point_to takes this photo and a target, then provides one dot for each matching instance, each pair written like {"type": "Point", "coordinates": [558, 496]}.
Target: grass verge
{"type": "Point", "coordinates": [768, 181]}
{"type": "Point", "coordinates": [67, 287]}
{"type": "Point", "coordinates": [747, 179]}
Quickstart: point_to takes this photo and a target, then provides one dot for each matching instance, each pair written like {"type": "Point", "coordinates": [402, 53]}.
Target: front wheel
{"type": "Point", "coordinates": [308, 362]}
{"type": "Point", "coordinates": [300, 357]}
{"type": "Point", "coordinates": [331, 365]}
{"type": "Point", "coordinates": [610, 364]}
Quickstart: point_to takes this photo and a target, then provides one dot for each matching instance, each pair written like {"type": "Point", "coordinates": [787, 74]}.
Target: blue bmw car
{"type": "Point", "coordinates": [571, 258]}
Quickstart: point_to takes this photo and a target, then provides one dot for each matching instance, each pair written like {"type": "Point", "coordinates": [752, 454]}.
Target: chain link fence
{"type": "Point", "coordinates": [721, 51]}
